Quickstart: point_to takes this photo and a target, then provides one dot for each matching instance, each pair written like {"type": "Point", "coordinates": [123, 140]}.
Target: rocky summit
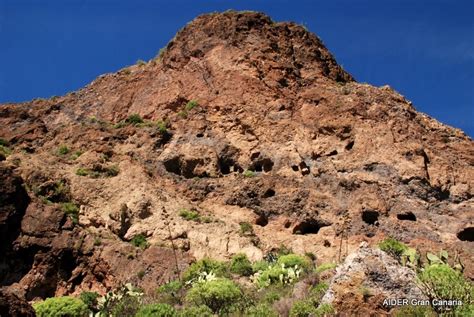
{"type": "Point", "coordinates": [243, 135]}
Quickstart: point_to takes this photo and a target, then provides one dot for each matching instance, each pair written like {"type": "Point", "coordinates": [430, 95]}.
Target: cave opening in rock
{"type": "Point", "coordinates": [407, 216]}
{"type": "Point", "coordinates": [173, 165]}
{"type": "Point", "coordinates": [269, 193]}
{"type": "Point", "coordinates": [309, 226]}
{"type": "Point", "coordinates": [262, 220]}
{"type": "Point", "coordinates": [370, 216]}
{"type": "Point", "coordinates": [467, 234]}
{"type": "Point", "coordinates": [294, 168]}
{"type": "Point", "coordinates": [225, 165]}
{"type": "Point", "coordinates": [350, 145]}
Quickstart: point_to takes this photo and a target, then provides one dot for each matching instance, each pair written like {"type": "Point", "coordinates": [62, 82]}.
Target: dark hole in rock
{"type": "Point", "coordinates": [370, 216]}
{"type": "Point", "coordinates": [287, 224]}
{"type": "Point", "coordinates": [467, 234]}
{"type": "Point", "coordinates": [281, 108]}
{"type": "Point", "coordinates": [254, 155]}
{"type": "Point", "coordinates": [269, 193]}
{"type": "Point", "coordinates": [332, 153]}
{"type": "Point", "coordinates": [407, 216]}
{"type": "Point", "coordinates": [267, 165]}
{"type": "Point", "coordinates": [327, 244]}
{"type": "Point", "coordinates": [309, 226]}
{"type": "Point", "coordinates": [283, 82]}
{"type": "Point", "coordinates": [225, 165]}
{"type": "Point", "coordinates": [173, 165]}
{"type": "Point", "coordinates": [304, 168]}
{"type": "Point", "coordinates": [261, 221]}
{"type": "Point", "coordinates": [257, 168]}
{"type": "Point", "coordinates": [199, 135]}
{"type": "Point", "coordinates": [350, 145]}
{"type": "Point", "coordinates": [294, 168]}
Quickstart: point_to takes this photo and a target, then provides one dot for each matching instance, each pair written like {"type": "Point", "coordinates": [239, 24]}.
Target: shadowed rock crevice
{"type": "Point", "coordinates": [466, 234]}
{"type": "Point", "coordinates": [370, 217]}
{"type": "Point", "coordinates": [406, 216]}
{"type": "Point", "coordinates": [310, 226]}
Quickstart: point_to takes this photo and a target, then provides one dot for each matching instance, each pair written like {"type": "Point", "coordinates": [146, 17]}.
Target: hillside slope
{"type": "Point", "coordinates": [244, 121]}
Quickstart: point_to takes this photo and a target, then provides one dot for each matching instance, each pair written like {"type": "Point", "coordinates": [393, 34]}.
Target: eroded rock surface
{"type": "Point", "coordinates": [281, 137]}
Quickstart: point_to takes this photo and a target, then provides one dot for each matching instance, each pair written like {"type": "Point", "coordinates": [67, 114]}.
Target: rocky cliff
{"type": "Point", "coordinates": [243, 135]}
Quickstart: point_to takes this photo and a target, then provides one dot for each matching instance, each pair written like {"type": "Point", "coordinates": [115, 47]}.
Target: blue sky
{"type": "Point", "coordinates": [422, 48]}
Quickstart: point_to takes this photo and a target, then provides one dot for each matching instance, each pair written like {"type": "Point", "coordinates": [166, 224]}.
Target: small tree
{"type": "Point", "coordinates": [157, 310]}
{"type": "Point", "coordinates": [241, 265]}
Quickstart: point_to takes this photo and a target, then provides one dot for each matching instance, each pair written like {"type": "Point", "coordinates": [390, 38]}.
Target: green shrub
{"type": "Point", "coordinates": [61, 306]}
{"type": "Point", "coordinates": [76, 155]}
{"type": "Point", "coordinates": [82, 172]}
{"type": "Point", "coordinates": [261, 310]}
{"type": "Point", "coordinates": [246, 228]}
{"type": "Point", "coordinates": [190, 215]}
{"type": "Point", "coordinates": [196, 311]}
{"type": "Point", "coordinates": [241, 265]}
{"type": "Point", "coordinates": [183, 114]}
{"type": "Point", "coordinates": [134, 119]}
{"type": "Point", "coordinates": [139, 241]}
{"type": "Point", "coordinates": [90, 299]}
{"type": "Point", "coordinates": [4, 142]}
{"type": "Point", "coordinates": [325, 267]}
{"type": "Point", "coordinates": [157, 310]}
{"type": "Point", "coordinates": [441, 282]}
{"type": "Point", "coordinates": [324, 310]}
{"type": "Point", "coordinates": [249, 173]}
{"type": "Point", "coordinates": [71, 210]}
{"type": "Point", "coordinates": [393, 247]}
{"type": "Point", "coordinates": [303, 308]}
{"type": "Point", "coordinates": [317, 292]}
{"type": "Point", "coordinates": [260, 266]}
{"type": "Point", "coordinates": [63, 150]}
{"type": "Point", "coordinates": [205, 265]}
{"type": "Point", "coordinates": [170, 292]}
{"type": "Point", "coordinates": [111, 171]}
{"type": "Point", "coordinates": [162, 127]}
{"type": "Point", "coordinates": [293, 260]}
{"type": "Point", "coordinates": [191, 105]}
{"type": "Point", "coordinates": [220, 295]}
{"type": "Point", "coordinates": [415, 311]}
{"type": "Point", "coordinates": [5, 151]}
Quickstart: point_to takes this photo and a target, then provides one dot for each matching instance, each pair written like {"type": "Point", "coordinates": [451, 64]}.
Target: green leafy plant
{"type": "Point", "coordinates": [294, 260]}
{"type": "Point", "coordinates": [249, 173]}
{"type": "Point", "coordinates": [441, 282]}
{"type": "Point", "coordinates": [82, 171]}
{"type": "Point", "coordinates": [162, 127]}
{"type": "Point", "coordinates": [302, 308]}
{"type": "Point", "coordinates": [393, 247]}
{"type": "Point", "coordinates": [241, 265]}
{"type": "Point", "coordinates": [90, 299]}
{"type": "Point", "coordinates": [246, 229]}
{"type": "Point", "coordinates": [191, 105]}
{"type": "Point", "coordinates": [220, 295]}
{"type": "Point", "coordinates": [71, 210]}
{"type": "Point", "coordinates": [259, 266]}
{"type": "Point", "coordinates": [124, 301]}
{"type": "Point", "coordinates": [134, 119]}
{"type": "Point", "coordinates": [205, 265]}
{"type": "Point", "coordinates": [317, 292]}
{"type": "Point", "coordinates": [4, 150]}
{"type": "Point", "coordinates": [76, 155]}
{"type": "Point", "coordinates": [261, 310]}
{"type": "Point", "coordinates": [190, 215]}
{"type": "Point", "coordinates": [61, 306]}
{"type": "Point", "coordinates": [183, 114]}
{"type": "Point", "coordinates": [170, 292]}
{"type": "Point", "coordinates": [157, 310]}
{"type": "Point", "coordinates": [4, 142]}
{"type": "Point", "coordinates": [196, 311]}
{"type": "Point", "coordinates": [277, 274]}
{"type": "Point", "coordinates": [63, 150]}
{"type": "Point", "coordinates": [325, 267]}
{"type": "Point", "coordinates": [324, 310]}
{"type": "Point", "coordinates": [140, 241]}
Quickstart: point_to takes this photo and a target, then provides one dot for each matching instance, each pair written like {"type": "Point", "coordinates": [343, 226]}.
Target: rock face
{"type": "Point", "coordinates": [368, 277]}
{"type": "Point", "coordinates": [280, 136]}
{"type": "Point", "coordinates": [12, 306]}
